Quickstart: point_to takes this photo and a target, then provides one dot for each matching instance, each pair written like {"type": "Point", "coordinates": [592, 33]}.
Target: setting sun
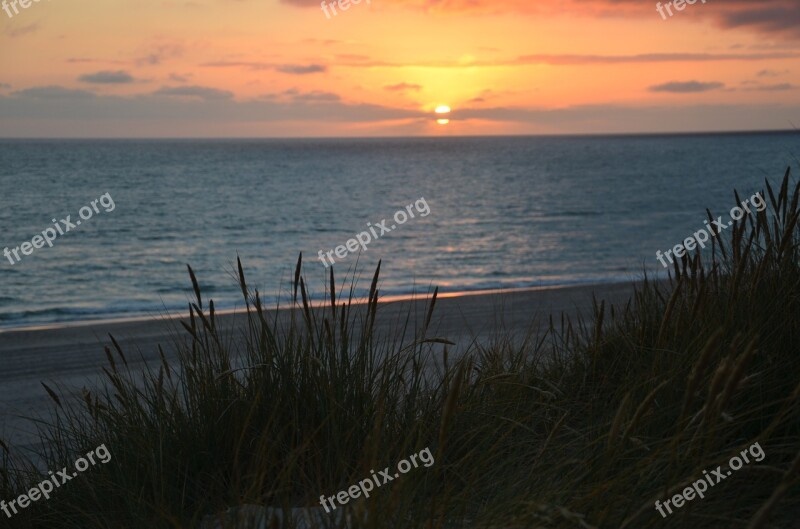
{"type": "Point", "coordinates": [442, 109]}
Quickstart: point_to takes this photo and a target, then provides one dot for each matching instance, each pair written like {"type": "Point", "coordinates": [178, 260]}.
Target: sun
{"type": "Point", "coordinates": [442, 109]}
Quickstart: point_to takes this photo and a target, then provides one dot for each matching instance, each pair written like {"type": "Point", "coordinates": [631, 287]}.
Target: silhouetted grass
{"type": "Point", "coordinates": [583, 425]}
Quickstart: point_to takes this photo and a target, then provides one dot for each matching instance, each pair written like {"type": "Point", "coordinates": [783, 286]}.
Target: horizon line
{"type": "Point", "coordinates": [373, 137]}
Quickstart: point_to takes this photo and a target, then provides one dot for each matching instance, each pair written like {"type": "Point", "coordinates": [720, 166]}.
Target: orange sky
{"type": "Point", "coordinates": [120, 68]}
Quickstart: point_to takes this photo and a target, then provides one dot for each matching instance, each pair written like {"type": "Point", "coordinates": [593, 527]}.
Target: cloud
{"type": "Point", "coordinates": [775, 87]}
{"type": "Point", "coordinates": [609, 119]}
{"type": "Point", "coordinates": [361, 61]}
{"type": "Point", "coordinates": [771, 73]}
{"type": "Point", "coordinates": [688, 87]}
{"type": "Point", "coordinates": [5, 85]}
{"type": "Point", "coordinates": [160, 52]}
{"type": "Point", "coordinates": [200, 92]}
{"type": "Point", "coordinates": [179, 78]}
{"type": "Point", "coordinates": [295, 95]}
{"type": "Point", "coordinates": [52, 92]}
{"type": "Point", "coordinates": [18, 31]}
{"type": "Point", "coordinates": [758, 16]}
{"type": "Point", "coordinates": [86, 60]}
{"type": "Point", "coordinates": [293, 69]}
{"type": "Point", "coordinates": [28, 103]}
{"type": "Point", "coordinates": [41, 112]}
{"type": "Point", "coordinates": [568, 60]}
{"type": "Point", "coordinates": [402, 87]}
{"type": "Point", "coordinates": [297, 69]}
{"type": "Point", "coordinates": [252, 65]}
{"type": "Point", "coordinates": [764, 16]}
{"type": "Point", "coordinates": [107, 77]}
{"type": "Point", "coordinates": [317, 95]}
{"type": "Point", "coordinates": [483, 97]}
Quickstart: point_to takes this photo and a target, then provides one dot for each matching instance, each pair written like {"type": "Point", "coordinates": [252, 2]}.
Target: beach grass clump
{"type": "Point", "coordinates": [580, 424]}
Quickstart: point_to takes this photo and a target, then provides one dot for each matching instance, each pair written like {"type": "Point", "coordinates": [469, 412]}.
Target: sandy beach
{"type": "Point", "coordinates": [71, 356]}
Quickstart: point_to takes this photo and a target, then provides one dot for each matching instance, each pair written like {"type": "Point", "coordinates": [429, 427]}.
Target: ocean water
{"type": "Point", "coordinates": [504, 212]}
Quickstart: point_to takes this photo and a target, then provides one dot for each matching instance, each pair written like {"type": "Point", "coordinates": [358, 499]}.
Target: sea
{"type": "Point", "coordinates": [504, 213]}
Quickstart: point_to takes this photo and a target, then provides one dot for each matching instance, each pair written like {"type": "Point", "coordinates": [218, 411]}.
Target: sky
{"type": "Point", "coordinates": [285, 68]}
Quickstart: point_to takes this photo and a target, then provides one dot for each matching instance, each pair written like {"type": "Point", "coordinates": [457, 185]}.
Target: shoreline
{"type": "Point", "coordinates": [392, 298]}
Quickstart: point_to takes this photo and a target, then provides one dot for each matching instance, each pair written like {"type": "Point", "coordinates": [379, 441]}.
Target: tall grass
{"type": "Point", "coordinates": [583, 425]}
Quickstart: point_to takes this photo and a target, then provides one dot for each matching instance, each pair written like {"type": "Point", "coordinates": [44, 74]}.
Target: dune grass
{"type": "Point", "coordinates": [581, 425]}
